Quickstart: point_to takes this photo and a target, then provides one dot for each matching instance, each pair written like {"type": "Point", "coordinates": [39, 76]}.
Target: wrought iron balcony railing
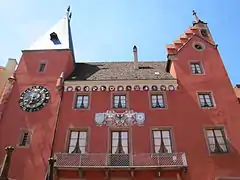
{"type": "Point", "coordinates": [162, 160]}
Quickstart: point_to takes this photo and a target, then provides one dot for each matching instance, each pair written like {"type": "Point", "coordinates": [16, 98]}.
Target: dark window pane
{"type": "Point", "coordinates": [24, 139]}
{"type": "Point", "coordinates": [42, 67]}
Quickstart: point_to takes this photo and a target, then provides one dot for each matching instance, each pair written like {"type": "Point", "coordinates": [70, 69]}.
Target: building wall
{"type": "Point", "coordinates": [183, 115]}
{"type": "Point", "coordinates": [6, 72]}
{"type": "Point", "coordinates": [31, 162]}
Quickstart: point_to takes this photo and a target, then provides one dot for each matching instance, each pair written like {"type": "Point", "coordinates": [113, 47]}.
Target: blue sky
{"type": "Point", "coordinates": [106, 30]}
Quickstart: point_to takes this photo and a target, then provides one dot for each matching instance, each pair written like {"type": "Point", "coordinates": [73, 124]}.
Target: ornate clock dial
{"type": "Point", "coordinates": [34, 98]}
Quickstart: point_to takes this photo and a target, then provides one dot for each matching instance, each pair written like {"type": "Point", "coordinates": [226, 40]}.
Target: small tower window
{"type": "Point", "coordinates": [205, 100]}
{"type": "Point", "coordinates": [24, 138]}
{"type": "Point", "coordinates": [42, 67]}
{"type": "Point", "coordinates": [204, 33]}
{"type": "Point", "coordinates": [196, 68]}
{"type": "Point", "coordinates": [198, 46]}
{"type": "Point", "coordinates": [54, 38]}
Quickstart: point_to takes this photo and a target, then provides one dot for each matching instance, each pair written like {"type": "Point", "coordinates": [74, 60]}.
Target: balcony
{"type": "Point", "coordinates": [131, 161]}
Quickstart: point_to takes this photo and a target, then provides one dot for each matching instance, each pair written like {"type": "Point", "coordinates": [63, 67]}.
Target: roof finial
{"type": "Point", "coordinates": [68, 9]}
{"type": "Point", "coordinates": [195, 16]}
{"type": "Point", "coordinates": [69, 13]}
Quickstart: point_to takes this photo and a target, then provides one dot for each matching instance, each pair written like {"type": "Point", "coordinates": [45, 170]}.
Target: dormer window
{"type": "Point", "coordinates": [54, 38]}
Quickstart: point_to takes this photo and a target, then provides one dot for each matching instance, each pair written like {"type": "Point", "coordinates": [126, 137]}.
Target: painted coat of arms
{"type": "Point", "coordinates": [114, 119]}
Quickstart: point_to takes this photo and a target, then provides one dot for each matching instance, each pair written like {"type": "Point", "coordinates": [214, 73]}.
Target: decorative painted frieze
{"type": "Point", "coordinates": [168, 85]}
{"type": "Point", "coordinates": [114, 119]}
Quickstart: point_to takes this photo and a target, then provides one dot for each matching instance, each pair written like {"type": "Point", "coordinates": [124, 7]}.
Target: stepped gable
{"type": "Point", "coordinates": [183, 39]}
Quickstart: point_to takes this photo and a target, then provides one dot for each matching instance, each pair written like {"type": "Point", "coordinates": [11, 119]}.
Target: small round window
{"type": "Point", "coordinates": [198, 46]}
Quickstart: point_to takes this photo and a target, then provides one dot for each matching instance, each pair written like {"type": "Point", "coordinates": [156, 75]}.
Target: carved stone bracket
{"type": "Point", "coordinates": [81, 173]}
{"type": "Point", "coordinates": [114, 119]}
{"type": "Point", "coordinates": [132, 172]}
{"type": "Point", "coordinates": [107, 174]}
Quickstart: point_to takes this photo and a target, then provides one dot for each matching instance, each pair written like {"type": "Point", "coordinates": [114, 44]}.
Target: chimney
{"type": "Point", "coordinates": [135, 57]}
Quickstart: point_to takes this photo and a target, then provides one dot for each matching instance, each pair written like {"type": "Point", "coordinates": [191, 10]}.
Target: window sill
{"type": "Point", "coordinates": [213, 107]}
{"type": "Point", "coordinates": [81, 109]}
{"type": "Point", "coordinates": [198, 74]}
{"type": "Point", "coordinates": [157, 109]}
{"type": "Point", "coordinates": [219, 154]}
{"type": "Point", "coordinates": [22, 147]}
{"type": "Point", "coordinates": [119, 109]}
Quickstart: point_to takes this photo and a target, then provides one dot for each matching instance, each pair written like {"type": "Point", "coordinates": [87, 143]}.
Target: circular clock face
{"type": "Point", "coordinates": [34, 98]}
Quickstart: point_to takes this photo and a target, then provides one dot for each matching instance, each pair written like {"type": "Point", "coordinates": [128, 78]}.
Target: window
{"type": "Point", "coordinates": [24, 138]}
{"type": "Point", "coordinates": [119, 142]}
{"type": "Point", "coordinates": [77, 142]}
{"type": "Point", "coordinates": [205, 100]}
{"type": "Point", "coordinates": [42, 67]}
{"type": "Point", "coordinates": [196, 68]}
{"type": "Point", "coordinates": [119, 149]}
{"type": "Point", "coordinates": [198, 46]}
{"type": "Point", "coordinates": [157, 101]}
{"type": "Point", "coordinates": [217, 140]}
{"type": "Point", "coordinates": [54, 38]}
{"type": "Point", "coordinates": [82, 102]}
{"type": "Point", "coordinates": [119, 101]}
{"type": "Point", "coordinates": [162, 141]}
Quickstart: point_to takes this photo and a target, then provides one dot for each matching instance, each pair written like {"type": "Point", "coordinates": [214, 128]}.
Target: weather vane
{"type": "Point", "coordinates": [195, 16]}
